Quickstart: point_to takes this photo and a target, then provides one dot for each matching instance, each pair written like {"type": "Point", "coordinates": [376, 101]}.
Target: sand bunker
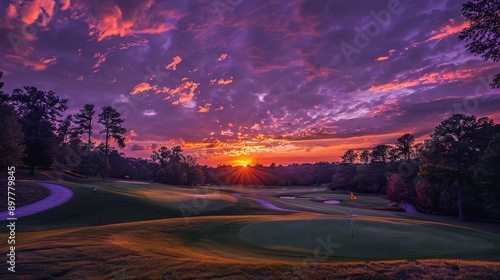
{"type": "Point", "coordinates": [331, 201]}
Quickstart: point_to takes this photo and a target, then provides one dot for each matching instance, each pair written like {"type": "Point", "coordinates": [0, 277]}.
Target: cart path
{"type": "Point", "coordinates": [58, 195]}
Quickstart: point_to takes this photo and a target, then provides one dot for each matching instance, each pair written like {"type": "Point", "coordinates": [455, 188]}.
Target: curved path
{"type": "Point", "coordinates": [410, 209]}
{"type": "Point", "coordinates": [58, 195]}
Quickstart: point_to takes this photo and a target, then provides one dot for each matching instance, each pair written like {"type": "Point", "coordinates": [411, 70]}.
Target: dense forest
{"type": "Point", "coordinates": [455, 171]}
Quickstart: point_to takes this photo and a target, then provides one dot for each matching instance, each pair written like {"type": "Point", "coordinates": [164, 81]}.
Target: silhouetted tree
{"type": "Point", "coordinates": [484, 31]}
{"type": "Point", "coordinates": [380, 153]}
{"type": "Point", "coordinates": [12, 148]}
{"type": "Point", "coordinates": [457, 144]}
{"type": "Point", "coordinates": [343, 177]}
{"type": "Point", "coordinates": [191, 163]}
{"type": "Point", "coordinates": [404, 146]}
{"type": "Point", "coordinates": [487, 174]}
{"type": "Point", "coordinates": [112, 122]}
{"type": "Point", "coordinates": [364, 157]}
{"type": "Point", "coordinates": [68, 153]}
{"type": "Point", "coordinates": [84, 122]}
{"type": "Point", "coordinates": [350, 156]}
{"type": "Point", "coordinates": [131, 171]}
{"type": "Point", "coordinates": [39, 112]}
{"type": "Point", "coordinates": [166, 156]}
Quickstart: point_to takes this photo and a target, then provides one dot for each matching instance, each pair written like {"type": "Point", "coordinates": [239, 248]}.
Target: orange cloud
{"type": "Point", "coordinates": [205, 108]}
{"type": "Point", "coordinates": [175, 62]}
{"type": "Point", "coordinates": [444, 76]}
{"type": "Point", "coordinates": [381, 58]}
{"type": "Point", "coordinates": [185, 91]}
{"type": "Point", "coordinates": [448, 30]}
{"type": "Point", "coordinates": [225, 82]}
{"type": "Point", "coordinates": [139, 88]}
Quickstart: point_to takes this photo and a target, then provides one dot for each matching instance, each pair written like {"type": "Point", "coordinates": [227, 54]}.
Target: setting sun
{"type": "Point", "coordinates": [242, 162]}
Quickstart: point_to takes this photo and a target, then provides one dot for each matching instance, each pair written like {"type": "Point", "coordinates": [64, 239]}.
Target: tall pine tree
{"type": "Point", "coordinates": [112, 122]}
{"type": "Point", "coordinates": [84, 122]}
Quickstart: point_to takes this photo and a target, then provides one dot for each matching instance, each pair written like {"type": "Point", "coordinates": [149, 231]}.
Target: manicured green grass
{"type": "Point", "coordinates": [118, 202]}
{"type": "Point", "coordinates": [383, 239]}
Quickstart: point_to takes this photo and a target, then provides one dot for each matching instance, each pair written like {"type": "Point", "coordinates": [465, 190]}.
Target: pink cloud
{"type": "Point", "coordinates": [118, 18]}
{"type": "Point", "coordinates": [11, 11]}
{"type": "Point", "coordinates": [447, 30]}
{"type": "Point", "coordinates": [444, 76]}
{"type": "Point", "coordinates": [222, 57]}
{"type": "Point", "coordinates": [65, 4]}
{"type": "Point", "coordinates": [36, 64]}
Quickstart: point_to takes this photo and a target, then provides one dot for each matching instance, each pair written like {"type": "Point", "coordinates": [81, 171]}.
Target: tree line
{"type": "Point", "coordinates": [37, 135]}
{"type": "Point", "coordinates": [455, 171]}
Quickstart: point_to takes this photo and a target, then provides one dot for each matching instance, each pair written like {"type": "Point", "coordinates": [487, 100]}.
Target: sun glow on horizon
{"type": "Point", "coordinates": [242, 162]}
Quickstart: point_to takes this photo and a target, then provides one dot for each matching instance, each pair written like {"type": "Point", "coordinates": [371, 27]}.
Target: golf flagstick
{"type": "Point", "coordinates": [353, 197]}
{"type": "Point", "coordinates": [352, 226]}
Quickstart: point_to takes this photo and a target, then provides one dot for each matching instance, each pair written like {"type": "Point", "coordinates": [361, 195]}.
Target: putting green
{"type": "Point", "coordinates": [373, 239]}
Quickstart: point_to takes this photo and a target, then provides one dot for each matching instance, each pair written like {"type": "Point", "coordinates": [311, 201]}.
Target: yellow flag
{"type": "Point", "coordinates": [353, 197]}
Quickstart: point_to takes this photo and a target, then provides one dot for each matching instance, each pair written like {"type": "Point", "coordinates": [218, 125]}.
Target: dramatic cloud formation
{"type": "Point", "coordinates": [253, 81]}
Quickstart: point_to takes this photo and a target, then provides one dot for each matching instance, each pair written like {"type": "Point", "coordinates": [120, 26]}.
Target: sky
{"type": "Point", "coordinates": [236, 82]}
